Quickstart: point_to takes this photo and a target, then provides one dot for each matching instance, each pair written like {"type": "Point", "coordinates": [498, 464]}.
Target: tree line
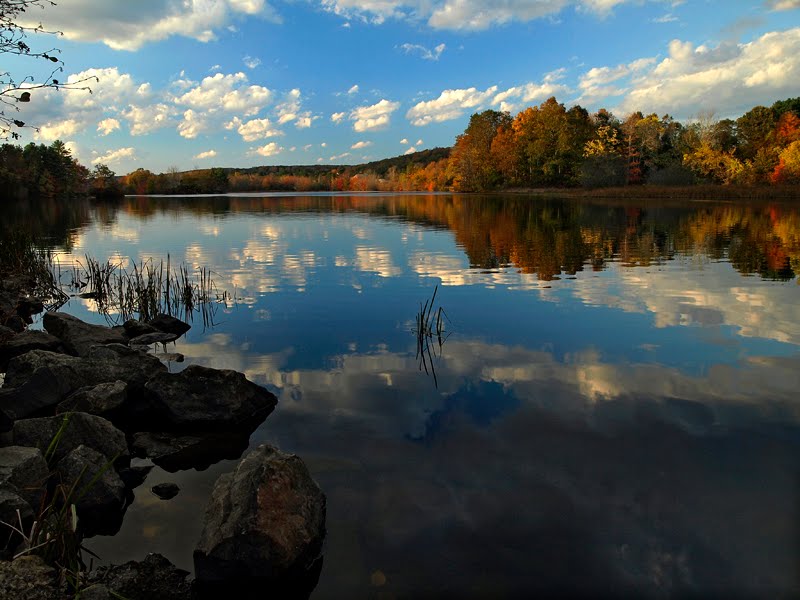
{"type": "Point", "coordinates": [542, 147]}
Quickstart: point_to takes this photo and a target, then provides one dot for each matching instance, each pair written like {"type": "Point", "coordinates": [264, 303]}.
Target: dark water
{"type": "Point", "coordinates": [617, 405]}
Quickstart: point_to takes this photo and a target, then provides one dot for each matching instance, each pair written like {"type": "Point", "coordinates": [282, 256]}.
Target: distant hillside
{"type": "Point", "coordinates": [379, 168]}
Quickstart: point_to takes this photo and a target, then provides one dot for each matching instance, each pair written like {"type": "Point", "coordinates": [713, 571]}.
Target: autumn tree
{"type": "Point", "coordinates": [15, 88]}
{"type": "Point", "coordinates": [471, 156]}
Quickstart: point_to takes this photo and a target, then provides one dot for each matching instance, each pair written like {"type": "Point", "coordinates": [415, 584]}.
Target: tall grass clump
{"type": "Point", "coordinates": [148, 288]}
{"type": "Point", "coordinates": [23, 258]}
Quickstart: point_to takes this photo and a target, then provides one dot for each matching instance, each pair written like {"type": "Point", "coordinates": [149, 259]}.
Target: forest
{"type": "Point", "coordinates": [544, 146]}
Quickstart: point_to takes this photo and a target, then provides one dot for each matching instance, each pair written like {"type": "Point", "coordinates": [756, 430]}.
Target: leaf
{"type": "Point", "coordinates": [25, 97]}
{"type": "Point", "coordinates": [19, 123]}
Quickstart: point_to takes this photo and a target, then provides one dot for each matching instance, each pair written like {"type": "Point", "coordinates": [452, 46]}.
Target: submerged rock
{"type": "Point", "coordinates": [134, 328]}
{"type": "Point", "coordinates": [169, 324]}
{"type": "Point", "coordinates": [79, 337]}
{"type": "Point", "coordinates": [159, 337]}
{"type": "Point", "coordinates": [81, 429]}
{"type": "Point", "coordinates": [175, 453]}
{"type": "Point", "coordinates": [209, 399]}
{"type": "Point", "coordinates": [265, 521]}
{"type": "Point", "coordinates": [165, 491]}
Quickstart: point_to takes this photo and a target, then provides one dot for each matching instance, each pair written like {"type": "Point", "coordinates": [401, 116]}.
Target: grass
{"type": "Point", "coordinates": [54, 535]}
{"type": "Point", "coordinates": [22, 257]}
{"type": "Point", "coordinates": [147, 289]}
{"type": "Point", "coordinates": [429, 330]}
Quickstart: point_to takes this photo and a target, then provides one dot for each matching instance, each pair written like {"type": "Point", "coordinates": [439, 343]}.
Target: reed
{"type": "Point", "coordinates": [430, 331]}
{"type": "Point", "coordinates": [22, 257]}
{"type": "Point", "coordinates": [146, 289]}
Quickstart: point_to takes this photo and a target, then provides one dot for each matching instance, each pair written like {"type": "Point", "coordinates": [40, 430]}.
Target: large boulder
{"type": "Point", "coordinates": [25, 469]}
{"type": "Point", "coordinates": [103, 364]}
{"type": "Point", "coordinates": [38, 393]}
{"type": "Point", "coordinates": [81, 430]}
{"type": "Point", "coordinates": [100, 493]}
{"type": "Point", "coordinates": [207, 399]}
{"type": "Point", "coordinates": [265, 521]}
{"type": "Point", "coordinates": [134, 328]}
{"type": "Point", "coordinates": [79, 337]}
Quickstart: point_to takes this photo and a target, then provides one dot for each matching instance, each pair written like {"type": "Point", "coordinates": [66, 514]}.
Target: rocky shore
{"type": "Point", "coordinates": [79, 401]}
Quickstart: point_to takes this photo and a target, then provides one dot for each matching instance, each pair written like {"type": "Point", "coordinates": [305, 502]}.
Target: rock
{"type": "Point", "coordinates": [29, 306]}
{"type": "Point", "coordinates": [79, 337]}
{"type": "Point", "coordinates": [134, 476]}
{"type": "Point", "coordinates": [20, 343]}
{"type": "Point", "coordinates": [265, 520]}
{"type": "Point", "coordinates": [182, 452]}
{"type": "Point", "coordinates": [103, 364]}
{"type": "Point", "coordinates": [136, 328]}
{"type": "Point", "coordinates": [104, 399]}
{"type": "Point", "coordinates": [25, 469]}
{"type": "Point", "coordinates": [42, 391]}
{"type": "Point", "coordinates": [81, 429]}
{"type": "Point", "coordinates": [165, 491]}
{"type": "Point", "coordinates": [148, 339]}
{"type": "Point", "coordinates": [12, 501]}
{"type": "Point", "coordinates": [100, 491]}
{"type": "Point", "coordinates": [169, 324]}
{"type": "Point", "coordinates": [209, 399]}
{"type": "Point", "coordinates": [15, 323]}
{"type": "Point", "coordinates": [154, 577]}
{"type": "Point", "coordinates": [28, 578]}
{"type": "Point", "coordinates": [97, 592]}
{"type": "Point", "coordinates": [171, 357]}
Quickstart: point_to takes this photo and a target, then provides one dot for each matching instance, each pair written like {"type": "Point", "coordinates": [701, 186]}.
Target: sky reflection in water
{"type": "Point", "coordinates": [616, 406]}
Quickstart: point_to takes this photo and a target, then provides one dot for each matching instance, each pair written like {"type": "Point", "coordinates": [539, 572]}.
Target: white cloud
{"type": "Point", "coordinates": [338, 117]}
{"type": "Point", "coordinates": [374, 117]}
{"type": "Point", "coordinates": [206, 154]}
{"type": "Point", "coordinates": [419, 142]}
{"type": "Point", "coordinates": [728, 78]}
{"type": "Point", "coordinates": [113, 156]}
{"type": "Point", "coordinates": [361, 144]}
{"type": "Point", "coordinates": [353, 89]}
{"type": "Point", "coordinates": [56, 130]}
{"type": "Point", "coordinates": [228, 93]}
{"type": "Point", "coordinates": [411, 150]}
{"type": "Point", "coordinates": [255, 129]}
{"type": "Point", "coordinates": [106, 126]}
{"type": "Point", "coordinates": [783, 4]}
{"type": "Point", "coordinates": [126, 25]}
{"type": "Point", "coordinates": [339, 156]}
{"type": "Point", "coordinates": [251, 62]}
{"type": "Point", "coordinates": [270, 149]}
{"type": "Point", "coordinates": [450, 104]}
{"type": "Point", "coordinates": [597, 82]}
{"type": "Point", "coordinates": [146, 119]}
{"type": "Point", "coordinates": [192, 124]}
{"type": "Point", "coordinates": [424, 52]}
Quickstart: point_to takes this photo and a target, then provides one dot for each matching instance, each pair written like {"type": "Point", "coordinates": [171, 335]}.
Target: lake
{"type": "Point", "coordinates": [614, 406]}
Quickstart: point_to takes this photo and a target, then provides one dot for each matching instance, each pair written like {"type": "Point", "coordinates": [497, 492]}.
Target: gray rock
{"type": "Point", "coordinates": [15, 323]}
{"type": "Point", "coordinates": [103, 364]}
{"type": "Point", "coordinates": [104, 399]}
{"type": "Point", "coordinates": [265, 520]}
{"type": "Point", "coordinates": [154, 577]}
{"type": "Point", "coordinates": [20, 343]}
{"type": "Point", "coordinates": [79, 337]}
{"type": "Point", "coordinates": [175, 453]}
{"type": "Point", "coordinates": [43, 390]}
{"type": "Point", "coordinates": [209, 399]}
{"type": "Point", "coordinates": [13, 507]}
{"type": "Point", "coordinates": [28, 578]}
{"type": "Point", "coordinates": [81, 429]}
{"type": "Point", "coordinates": [165, 491]}
{"type": "Point", "coordinates": [25, 469]}
{"type": "Point", "coordinates": [100, 491]}
{"type": "Point", "coordinates": [136, 328]}
{"type": "Point", "coordinates": [148, 339]}
{"type": "Point", "coordinates": [169, 324]}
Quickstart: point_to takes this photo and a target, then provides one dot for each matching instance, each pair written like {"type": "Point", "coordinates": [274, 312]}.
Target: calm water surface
{"type": "Point", "coordinates": [617, 403]}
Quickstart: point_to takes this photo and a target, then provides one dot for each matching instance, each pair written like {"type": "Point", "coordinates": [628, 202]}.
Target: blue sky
{"type": "Point", "coordinates": [200, 83]}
